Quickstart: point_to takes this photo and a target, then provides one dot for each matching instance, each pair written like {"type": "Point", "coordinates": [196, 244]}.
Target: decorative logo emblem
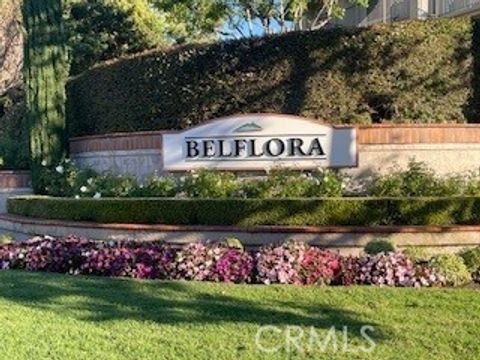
{"type": "Point", "coordinates": [250, 127]}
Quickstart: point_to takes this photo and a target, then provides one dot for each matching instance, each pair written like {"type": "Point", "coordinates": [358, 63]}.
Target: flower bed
{"type": "Point", "coordinates": [289, 263]}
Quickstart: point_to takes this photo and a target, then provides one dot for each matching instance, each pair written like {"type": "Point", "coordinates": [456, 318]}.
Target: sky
{"type": "Point", "coordinates": [257, 30]}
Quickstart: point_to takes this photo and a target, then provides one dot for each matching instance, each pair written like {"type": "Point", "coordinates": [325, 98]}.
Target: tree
{"type": "Point", "coordinates": [260, 17]}
{"type": "Point", "coordinates": [11, 47]}
{"type": "Point", "coordinates": [100, 30]}
{"type": "Point", "coordinates": [45, 75]}
{"type": "Point", "coordinates": [192, 20]}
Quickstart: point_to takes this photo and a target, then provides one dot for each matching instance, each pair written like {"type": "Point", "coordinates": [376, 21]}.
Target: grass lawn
{"type": "Point", "coordinates": [47, 316]}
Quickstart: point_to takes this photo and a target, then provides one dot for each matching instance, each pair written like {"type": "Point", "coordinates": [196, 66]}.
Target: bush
{"type": "Point", "coordinates": [105, 185]}
{"type": "Point", "coordinates": [281, 183]}
{"type": "Point", "coordinates": [300, 73]}
{"type": "Point", "coordinates": [60, 179]}
{"type": "Point", "coordinates": [453, 268]}
{"type": "Point", "coordinates": [209, 184]}
{"type": "Point", "coordinates": [65, 179]}
{"type": "Point", "coordinates": [471, 258]}
{"type": "Point", "coordinates": [378, 246]}
{"type": "Point", "coordinates": [251, 212]}
{"type": "Point", "coordinates": [419, 180]}
{"type": "Point", "coordinates": [417, 254]}
{"type": "Point", "coordinates": [157, 186]}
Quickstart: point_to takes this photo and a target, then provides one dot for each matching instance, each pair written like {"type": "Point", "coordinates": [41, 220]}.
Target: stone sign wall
{"type": "Point", "coordinates": [446, 148]}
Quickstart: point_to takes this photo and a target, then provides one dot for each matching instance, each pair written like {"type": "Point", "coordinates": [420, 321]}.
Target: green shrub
{"type": "Point", "coordinates": [379, 246]}
{"type": "Point", "coordinates": [417, 253]}
{"type": "Point", "coordinates": [209, 184]}
{"type": "Point", "coordinates": [453, 268]}
{"type": "Point", "coordinates": [281, 183]}
{"type": "Point", "coordinates": [471, 258]}
{"type": "Point", "coordinates": [419, 180]}
{"type": "Point", "coordinates": [249, 212]}
{"type": "Point", "coordinates": [472, 183]}
{"type": "Point", "coordinates": [60, 178]}
{"type": "Point", "coordinates": [157, 186]}
{"type": "Point", "coordinates": [416, 71]}
{"type": "Point", "coordinates": [65, 179]}
{"type": "Point", "coordinates": [6, 239]}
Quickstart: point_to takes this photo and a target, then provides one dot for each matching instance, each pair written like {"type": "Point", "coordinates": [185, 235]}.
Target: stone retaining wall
{"type": "Point", "coordinates": [346, 239]}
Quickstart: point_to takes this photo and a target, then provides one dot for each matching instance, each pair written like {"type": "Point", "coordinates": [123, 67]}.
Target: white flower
{"type": "Point", "coordinates": [68, 161]}
{"type": "Point", "coordinates": [77, 196]}
{"type": "Point", "coordinates": [44, 162]}
{"type": "Point", "coordinates": [90, 181]}
{"type": "Point", "coordinates": [97, 195]}
{"type": "Point", "coordinates": [59, 169]}
{"type": "Point", "coordinates": [83, 189]}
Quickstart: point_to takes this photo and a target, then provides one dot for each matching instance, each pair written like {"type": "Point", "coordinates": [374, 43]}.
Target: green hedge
{"type": "Point", "coordinates": [249, 212]}
{"type": "Point", "coordinates": [416, 71]}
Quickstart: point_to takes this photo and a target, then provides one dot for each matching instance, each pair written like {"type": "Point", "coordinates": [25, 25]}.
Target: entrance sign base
{"type": "Point", "coordinates": [445, 148]}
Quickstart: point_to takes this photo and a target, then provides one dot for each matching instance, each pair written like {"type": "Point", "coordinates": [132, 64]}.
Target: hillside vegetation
{"type": "Point", "coordinates": [418, 71]}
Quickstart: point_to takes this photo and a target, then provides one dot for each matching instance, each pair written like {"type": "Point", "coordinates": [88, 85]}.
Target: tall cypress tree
{"type": "Point", "coordinates": [45, 73]}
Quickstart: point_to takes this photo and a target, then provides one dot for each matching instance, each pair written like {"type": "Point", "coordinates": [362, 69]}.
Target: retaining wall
{"type": "Point", "coordinates": [13, 183]}
{"type": "Point", "coordinates": [346, 239]}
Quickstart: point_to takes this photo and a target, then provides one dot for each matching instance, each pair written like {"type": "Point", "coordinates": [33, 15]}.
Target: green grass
{"type": "Point", "coordinates": [47, 316]}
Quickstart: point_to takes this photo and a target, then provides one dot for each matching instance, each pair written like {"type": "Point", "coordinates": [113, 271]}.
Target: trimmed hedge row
{"type": "Point", "coordinates": [250, 212]}
{"type": "Point", "coordinates": [418, 71]}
